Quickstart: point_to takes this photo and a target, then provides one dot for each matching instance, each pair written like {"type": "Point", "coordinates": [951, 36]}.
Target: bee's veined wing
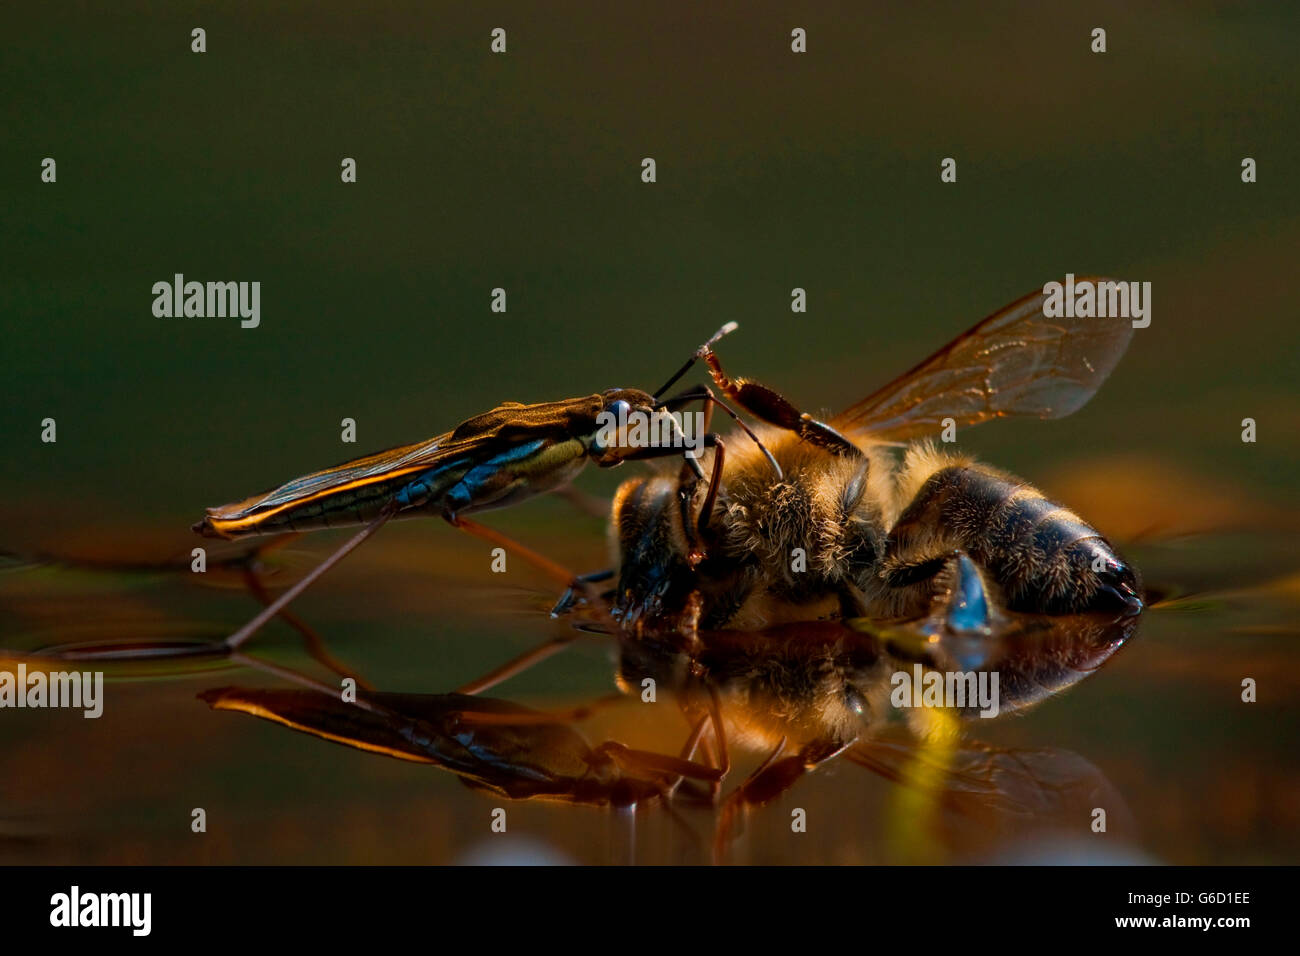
{"type": "Point", "coordinates": [1015, 362]}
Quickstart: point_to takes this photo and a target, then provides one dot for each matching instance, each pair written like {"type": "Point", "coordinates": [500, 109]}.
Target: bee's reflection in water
{"type": "Point", "coordinates": [792, 698]}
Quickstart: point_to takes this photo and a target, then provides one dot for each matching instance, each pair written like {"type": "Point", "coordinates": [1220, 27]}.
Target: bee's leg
{"type": "Point", "coordinates": [715, 480]}
{"type": "Point", "coordinates": [909, 582]}
{"type": "Point", "coordinates": [775, 409]}
{"type": "Point", "coordinates": [696, 472]}
{"type": "Point", "coordinates": [932, 527]}
{"type": "Point", "coordinates": [967, 609]}
{"type": "Point", "coordinates": [570, 596]}
{"type": "Point", "coordinates": [948, 589]}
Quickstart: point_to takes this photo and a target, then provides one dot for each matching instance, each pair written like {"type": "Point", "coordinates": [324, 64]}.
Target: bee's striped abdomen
{"type": "Point", "coordinates": [1044, 558]}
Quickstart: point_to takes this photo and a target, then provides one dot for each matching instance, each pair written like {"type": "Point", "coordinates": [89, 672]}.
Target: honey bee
{"type": "Point", "coordinates": [844, 529]}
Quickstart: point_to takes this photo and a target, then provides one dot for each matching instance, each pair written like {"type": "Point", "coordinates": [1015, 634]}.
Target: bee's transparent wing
{"type": "Point", "coordinates": [1015, 362]}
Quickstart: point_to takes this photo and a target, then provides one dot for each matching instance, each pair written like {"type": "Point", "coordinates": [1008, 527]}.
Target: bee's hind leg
{"type": "Point", "coordinates": [943, 585]}
{"type": "Point", "coordinates": [966, 607]}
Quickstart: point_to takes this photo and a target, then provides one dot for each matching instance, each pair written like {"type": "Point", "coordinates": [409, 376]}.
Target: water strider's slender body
{"type": "Point", "coordinates": [490, 461]}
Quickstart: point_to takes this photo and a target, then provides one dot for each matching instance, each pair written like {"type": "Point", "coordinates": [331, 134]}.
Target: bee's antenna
{"type": "Point", "coordinates": [725, 330]}
{"type": "Point", "coordinates": [699, 354]}
{"type": "Point", "coordinates": [771, 459]}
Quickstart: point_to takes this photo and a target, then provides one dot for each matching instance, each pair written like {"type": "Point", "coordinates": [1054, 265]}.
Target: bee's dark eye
{"type": "Point", "coordinates": [619, 408]}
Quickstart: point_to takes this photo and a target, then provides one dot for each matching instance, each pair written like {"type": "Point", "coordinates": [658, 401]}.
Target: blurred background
{"type": "Point", "coordinates": [522, 171]}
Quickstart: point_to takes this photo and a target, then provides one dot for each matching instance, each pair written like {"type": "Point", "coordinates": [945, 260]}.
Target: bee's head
{"type": "Point", "coordinates": [655, 574]}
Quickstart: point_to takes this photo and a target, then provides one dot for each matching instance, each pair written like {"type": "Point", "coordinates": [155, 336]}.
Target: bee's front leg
{"type": "Point", "coordinates": [570, 596]}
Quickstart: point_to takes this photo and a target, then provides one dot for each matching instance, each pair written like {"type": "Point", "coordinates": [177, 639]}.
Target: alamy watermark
{"type": "Point", "coordinates": [1104, 299]}
{"type": "Point", "coordinates": [75, 908]}
{"type": "Point", "coordinates": [82, 690]}
{"type": "Point", "coordinates": [952, 689]}
{"type": "Point", "coordinates": [178, 298]}
{"type": "Point", "coordinates": [622, 426]}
